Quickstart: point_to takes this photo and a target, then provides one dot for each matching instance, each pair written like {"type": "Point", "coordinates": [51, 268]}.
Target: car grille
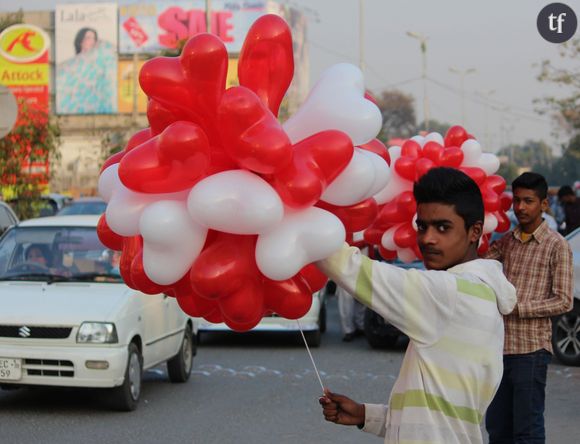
{"type": "Point", "coordinates": [49, 367]}
{"type": "Point", "coordinates": [26, 332]}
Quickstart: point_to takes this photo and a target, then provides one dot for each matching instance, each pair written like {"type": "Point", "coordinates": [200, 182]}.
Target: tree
{"type": "Point", "coordinates": [435, 126]}
{"type": "Point", "coordinates": [398, 111]}
{"type": "Point", "coordinates": [24, 152]}
{"type": "Point", "coordinates": [567, 108]}
{"type": "Point", "coordinates": [532, 154]}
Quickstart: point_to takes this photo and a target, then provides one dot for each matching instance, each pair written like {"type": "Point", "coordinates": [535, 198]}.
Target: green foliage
{"type": "Point", "coordinates": [34, 140]}
{"type": "Point", "coordinates": [398, 111]}
{"type": "Point", "coordinates": [11, 18]}
{"type": "Point", "coordinates": [434, 126]}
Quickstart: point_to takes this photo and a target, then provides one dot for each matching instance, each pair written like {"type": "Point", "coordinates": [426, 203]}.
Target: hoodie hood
{"type": "Point", "coordinates": [491, 272]}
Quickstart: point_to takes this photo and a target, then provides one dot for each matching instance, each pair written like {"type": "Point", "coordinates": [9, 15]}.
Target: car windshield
{"type": "Point", "coordinates": [57, 254]}
{"type": "Point", "coordinates": [92, 207]}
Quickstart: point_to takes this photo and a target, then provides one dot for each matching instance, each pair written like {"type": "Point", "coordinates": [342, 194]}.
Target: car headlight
{"type": "Point", "coordinates": [97, 333]}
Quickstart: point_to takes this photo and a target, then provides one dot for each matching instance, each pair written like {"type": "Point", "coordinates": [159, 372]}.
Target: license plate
{"type": "Point", "coordinates": [10, 369]}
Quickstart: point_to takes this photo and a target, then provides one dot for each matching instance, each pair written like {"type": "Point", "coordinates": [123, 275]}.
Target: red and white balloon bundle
{"type": "Point", "coordinates": [394, 230]}
{"type": "Point", "coordinates": [222, 206]}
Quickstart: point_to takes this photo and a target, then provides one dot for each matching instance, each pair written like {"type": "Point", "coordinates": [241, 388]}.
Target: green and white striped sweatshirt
{"type": "Point", "coordinates": [453, 364]}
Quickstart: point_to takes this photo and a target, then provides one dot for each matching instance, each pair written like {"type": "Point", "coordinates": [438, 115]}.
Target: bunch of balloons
{"type": "Point", "coordinates": [219, 204]}
{"type": "Point", "coordinates": [394, 230]}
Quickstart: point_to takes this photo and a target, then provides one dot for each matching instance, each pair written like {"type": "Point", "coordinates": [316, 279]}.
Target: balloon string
{"type": "Point", "coordinates": [310, 354]}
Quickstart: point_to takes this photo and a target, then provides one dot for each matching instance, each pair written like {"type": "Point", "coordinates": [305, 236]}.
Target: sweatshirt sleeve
{"type": "Point", "coordinates": [419, 303]}
{"type": "Point", "coordinates": [375, 419]}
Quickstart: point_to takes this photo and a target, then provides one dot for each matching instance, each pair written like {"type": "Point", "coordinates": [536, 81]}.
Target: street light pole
{"type": "Point", "coordinates": [361, 41]}
{"type": "Point", "coordinates": [208, 15]}
{"type": "Point", "coordinates": [462, 75]}
{"type": "Point", "coordinates": [423, 41]}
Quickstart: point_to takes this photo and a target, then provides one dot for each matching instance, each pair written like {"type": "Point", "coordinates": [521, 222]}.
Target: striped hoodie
{"type": "Point", "coordinates": [453, 364]}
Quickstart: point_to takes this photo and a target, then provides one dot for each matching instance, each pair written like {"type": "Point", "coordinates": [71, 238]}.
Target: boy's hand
{"type": "Point", "coordinates": [342, 410]}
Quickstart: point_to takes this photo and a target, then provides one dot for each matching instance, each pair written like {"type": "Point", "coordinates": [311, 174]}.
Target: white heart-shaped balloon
{"type": "Point", "coordinates": [337, 102]}
{"type": "Point", "coordinates": [171, 241]}
{"type": "Point", "coordinates": [420, 140]}
{"type": "Point", "coordinates": [489, 163]}
{"type": "Point", "coordinates": [301, 238]}
{"type": "Point", "coordinates": [490, 223]}
{"type": "Point", "coordinates": [435, 137]}
{"type": "Point", "coordinates": [235, 201]}
{"type": "Point", "coordinates": [471, 153]}
{"type": "Point", "coordinates": [388, 239]}
{"type": "Point", "coordinates": [396, 184]}
{"type": "Point", "coordinates": [125, 206]}
{"type": "Point", "coordinates": [365, 175]}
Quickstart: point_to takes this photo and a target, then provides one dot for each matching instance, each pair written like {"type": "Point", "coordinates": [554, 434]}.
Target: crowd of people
{"type": "Point", "coordinates": [479, 328]}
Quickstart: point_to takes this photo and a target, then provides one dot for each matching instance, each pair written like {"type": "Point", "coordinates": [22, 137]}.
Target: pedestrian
{"type": "Point", "coordinates": [451, 313]}
{"type": "Point", "coordinates": [571, 205]}
{"type": "Point", "coordinates": [538, 262]}
{"type": "Point", "coordinates": [351, 313]}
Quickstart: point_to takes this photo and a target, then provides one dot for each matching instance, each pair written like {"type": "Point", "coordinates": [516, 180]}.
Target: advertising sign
{"type": "Point", "coordinates": [86, 58]}
{"type": "Point", "coordinates": [153, 26]}
{"type": "Point", "coordinates": [128, 73]}
{"type": "Point", "coordinates": [24, 70]}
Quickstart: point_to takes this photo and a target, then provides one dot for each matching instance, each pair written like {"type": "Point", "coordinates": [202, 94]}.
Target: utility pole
{"type": "Point", "coordinates": [486, 95]}
{"type": "Point", "coordinates": [462, 75]}
{"type": "Point", "coordinates": [361, 40]}
{"type": "Point", "coordinates": [423, 41]}
{"type": "Point", "coordinates": [208, 15]}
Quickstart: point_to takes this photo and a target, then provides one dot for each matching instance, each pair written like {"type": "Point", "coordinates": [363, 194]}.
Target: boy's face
{"type": "Point", "coordinates": [442, 237]}
{"type": "Point", "coordinates": [528, 207]}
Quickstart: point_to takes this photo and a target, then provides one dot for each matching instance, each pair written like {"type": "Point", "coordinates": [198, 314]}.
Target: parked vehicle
{"type": "Point", "coordinates": [313, 323]}
{"type": "Point", "coordinates": [46, 205]}
{"type": "Point", "coordinates": [83, 205]}
{"type": "Point", "coordinates": [67, 318]}
{"type": "Point", "coordinates": [566, 327]}
{"type": "Point", "coordinates": [7, 217]}
{"type": "Point", "coordinates": [379, 333]}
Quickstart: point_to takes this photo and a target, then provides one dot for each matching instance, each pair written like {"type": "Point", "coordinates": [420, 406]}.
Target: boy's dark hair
{"type": "Point", "coordinates": [565, 190]}
{"type": "Point", "coordinates": [532, 181]}
{"type": "Point", "coordinates": [451, 187]}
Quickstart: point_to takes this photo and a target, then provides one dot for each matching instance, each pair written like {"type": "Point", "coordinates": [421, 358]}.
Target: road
{"type": "Point", "coordinates": [245, 389]}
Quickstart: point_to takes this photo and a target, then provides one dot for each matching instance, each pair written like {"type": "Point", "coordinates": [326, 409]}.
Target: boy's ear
{"type": "Point", "coordinates": [544, 204]}
{"type": "Point", "coordinates": [475, 231]}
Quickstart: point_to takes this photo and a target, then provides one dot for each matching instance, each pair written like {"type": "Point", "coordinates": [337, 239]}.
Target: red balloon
{"type": "Point", "coordinates": [355, 217]}
{"type": "Point", "coordinates": [131, 247]}
{"type": "Point", "coordinates": [314, 278]}
{"type": "Point", "coordinates": [455, 136]}
{"type": "Point", "coordinates": [388, 255]}
{"type": "Point", "coordinates": [422, 166]}
{"type": "Point", "coordinates": [190, 86]}
{"type": "Point", "coordinates": [291, 298]}
{"type": "Point", "coordinates": [405, 167]}
{"type": "Point", "coordinates": [503, 222]}
{"type": "Point", "coordinates": [506, 201]}
{"type": "Point", "coordinates": [317, 161]}
{"type": "Point", "coordinates": [451, 157]}
{"type": "Point", "coordinates": [496, 183]}
{"type": "Point", "coordinates": [140, 279]}
{"type": "Point", "coordinates": [373, 235]}
{"type": "Point", "coordinates": [405, 236]}
{"type": "Point", "coordinates": [491, 200]}
{"type": "Point", "coordinates": [173, 161]}
{"type": "Point", "coordinates": [410, 148]}
{"type": "Point", "coordinates": [197, 306]}
{"type": "Point", "coordinates": [433, 151]}
{"type": "Point", "coordinates": [242, 309]}
{"type": "Point", "coordinates": [266, 64]}
{"type": "Point", "coordinates": [137, 139]}
{"type": "Point", "coordinates": [107, 236]}
{"type": "Point", "coordinates": [477, 174]}
{"type": "Point", "coordinates": [252, 136]}
{"type": "Point", "coordinates": [159, 117]}
{"type": "Point", "coordinates": [371, 98]}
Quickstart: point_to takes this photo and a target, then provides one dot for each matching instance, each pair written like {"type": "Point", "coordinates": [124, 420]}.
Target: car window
{"type": "Point", "coordinates": [6, 218]}
{"type": "Point", "coordinates": [83, 208]}
{"type": "Point", "coordinates": [67, 253]}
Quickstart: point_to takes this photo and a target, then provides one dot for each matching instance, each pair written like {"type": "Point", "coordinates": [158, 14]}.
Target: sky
{"type": "Point", "coordinates": [496, 40]}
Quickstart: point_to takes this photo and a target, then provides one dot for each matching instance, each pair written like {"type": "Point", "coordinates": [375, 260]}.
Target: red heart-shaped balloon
{"type": "Point", "coordinates": [405, 236]}
{"type": "Point", "coordinates": [405, 167]}
{"type": "Point", "coordinates": [107, 236]}
{"type": "Point", "coordinates": [290, 298]}
{"type": "Point", "coordinates": [432, 151]}
{"type": "Point", "coordinates": [455, 136]}
{"type": "Point", "coordinates": [355, 217]}
{"type": "Point", "coordinates": [451, 157]}
{"type": "Point", "coordinates": [136, 139]}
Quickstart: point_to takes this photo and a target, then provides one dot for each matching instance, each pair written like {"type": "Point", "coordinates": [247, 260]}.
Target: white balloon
{"type": "Point", "coordinates": [125, 206]}
{"type": "Point", "coordinates": [337, 103]}
{"type": "Point", "coordinates": [490, 223]}
{"type": "Point", "coordinates": [435, 137]}
{"type": "Point", "coordinates": [471, 152]}
{"type": "Point", "coordinates": [406, 255]}
{"type": "Point", "coordinates": [301, 238]}
{"type": "Point", "coordinates": [388, 239]}
{"type": "Point", "coordinates": [171, 241]}
{"type": "Point", "coordinates": [396, 184]}
{"type": "Point", "coordinates": [419, 139]}
{"type": "Point", "coordinates": [366, 174]}
{"type": "Point", "coordinates": [107, 182]}
{"type": "Point", "coordinates": [489, 163]}
{"type": "Point", "coordinates": [235, 201]}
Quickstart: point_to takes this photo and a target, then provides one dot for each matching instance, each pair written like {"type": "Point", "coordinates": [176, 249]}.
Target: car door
{"type": "Point", "coordinates": [155, 327]}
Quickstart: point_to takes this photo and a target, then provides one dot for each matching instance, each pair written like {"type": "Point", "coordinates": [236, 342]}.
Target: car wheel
{"type": "Point", "coordinates": [322, 318]}
{"type": "Point", "coordinates": [313, 338]}
{"type": "Point", "coordinates": [566, 336]}
{"type": "Point", "coordinates": [376, 331]}
{"type": "Point", "coordinates": [126, 396]}
{"type": "Point", "coordinates": [179, 367]}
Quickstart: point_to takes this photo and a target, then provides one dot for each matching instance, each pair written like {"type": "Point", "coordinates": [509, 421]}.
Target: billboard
{"type": "Point", "coordinates": [128, 77]}
{"type": "Point", "coordinates": [86, 58]}
{"type": "Point", "coordinates": [149, 27]}
{"type": "Point", "coordinates": [24, 70]}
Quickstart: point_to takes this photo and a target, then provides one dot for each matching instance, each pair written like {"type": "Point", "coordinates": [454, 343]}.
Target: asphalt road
{"type": "Point", "coordinates": [245, 389]}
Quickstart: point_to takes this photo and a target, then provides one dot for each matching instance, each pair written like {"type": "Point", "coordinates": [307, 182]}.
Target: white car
{"type": "Point", "coordinates": [566, 327]}
{"type": "Point", "coordinates": [67, 318]}
{"type": "Point", "coordinates": [313, 323]}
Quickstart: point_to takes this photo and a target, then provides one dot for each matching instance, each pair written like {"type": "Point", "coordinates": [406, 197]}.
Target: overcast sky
{"type": "Point", "coordinates": [497, 38]}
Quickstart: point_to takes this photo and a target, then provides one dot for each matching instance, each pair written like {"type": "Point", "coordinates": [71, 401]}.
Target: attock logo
{"type": "Point", "coordinates": [23, 43]}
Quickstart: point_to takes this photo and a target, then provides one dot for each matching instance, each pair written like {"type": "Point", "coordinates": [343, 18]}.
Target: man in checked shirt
{"type": "Point", "coordinates": [538, 262]}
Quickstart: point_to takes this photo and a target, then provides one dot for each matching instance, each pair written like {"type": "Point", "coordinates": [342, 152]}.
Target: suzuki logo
{"type": "Point", "coordinates": [24, 331]}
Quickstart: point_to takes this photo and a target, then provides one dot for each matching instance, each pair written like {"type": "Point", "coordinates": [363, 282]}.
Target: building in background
{"type": "Point", "coordinates": [93, 78]}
